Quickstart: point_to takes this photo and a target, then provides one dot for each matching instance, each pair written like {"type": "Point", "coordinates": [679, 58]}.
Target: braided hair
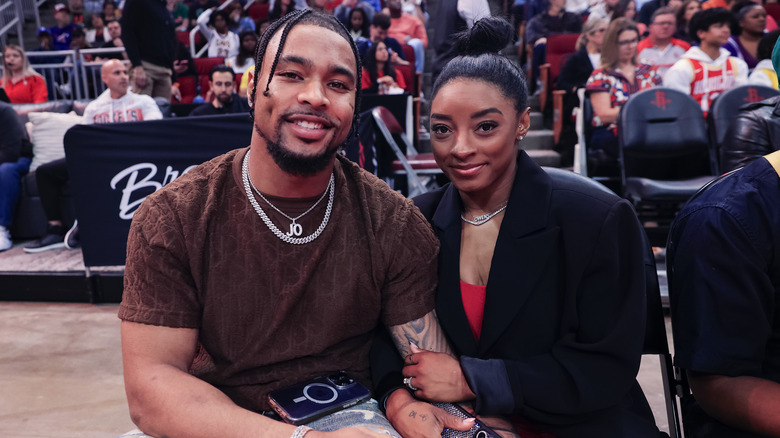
{"type": "Point", "coordinates": [287, 22]}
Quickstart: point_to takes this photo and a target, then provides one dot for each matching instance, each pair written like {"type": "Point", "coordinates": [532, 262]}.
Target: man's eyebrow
{"type": "Point", "coordinates": [344, 71]}
{"type": "Point", "coordinates": [308, 63]}
{"type": "Point", "coordinates": [294, 59]}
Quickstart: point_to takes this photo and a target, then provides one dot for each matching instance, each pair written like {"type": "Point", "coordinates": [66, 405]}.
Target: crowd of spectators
{"type": "Point", "coordinates": [701, 49]}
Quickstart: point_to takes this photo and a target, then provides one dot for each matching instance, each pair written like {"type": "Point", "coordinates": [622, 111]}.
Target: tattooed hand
{"type": "Point", "coordinates": [413, 418]}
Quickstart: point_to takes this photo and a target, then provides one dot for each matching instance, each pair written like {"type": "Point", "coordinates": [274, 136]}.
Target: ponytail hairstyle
{"type": "Point", "coordinates": [479, 59]}
{"type": "Point", "coordinates": [286, 23]}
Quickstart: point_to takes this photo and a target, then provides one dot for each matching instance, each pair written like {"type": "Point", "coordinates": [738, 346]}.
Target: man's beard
{"type": "Point", "coordinates": [226, 100]}
{"type": "Point", "coordinates": [292, 162]}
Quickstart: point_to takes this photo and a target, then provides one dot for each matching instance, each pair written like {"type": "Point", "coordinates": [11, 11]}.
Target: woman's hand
{"type": "Point", "coordinates": [437, 376]}
{"type": "Point", "coordinates": [386, 80]}
{"type": "Point", "coordinates": [413, 418]}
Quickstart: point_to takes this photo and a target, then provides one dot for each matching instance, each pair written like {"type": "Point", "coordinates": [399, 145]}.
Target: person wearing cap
{"type": "Point", "coordinates": [63, 31]}
{"type": "Point", "coordinates": [756, 130]}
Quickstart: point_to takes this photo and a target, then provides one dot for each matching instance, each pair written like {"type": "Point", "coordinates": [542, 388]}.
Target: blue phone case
{"type": "Point", "coordinates": [308, 401]}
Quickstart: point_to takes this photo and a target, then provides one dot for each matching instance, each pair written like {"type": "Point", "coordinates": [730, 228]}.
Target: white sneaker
{"type": "Point", "coordinates": [5, 239]}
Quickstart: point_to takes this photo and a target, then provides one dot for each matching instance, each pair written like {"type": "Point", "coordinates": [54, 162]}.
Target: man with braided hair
{"type": "Point", "coordinates": [274, 264]}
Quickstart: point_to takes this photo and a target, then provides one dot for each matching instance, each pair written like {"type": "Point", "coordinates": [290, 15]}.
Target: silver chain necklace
{"type": "Point", "coordinates": [479, 220]}
{"type": "Point", "coordinates": [295, 228]}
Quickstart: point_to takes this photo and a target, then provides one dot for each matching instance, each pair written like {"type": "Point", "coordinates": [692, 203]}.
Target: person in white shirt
{"type": "Point", "coordinates": [707, 70]}
{"type": "Point", "coordinates": [117, 103]}
{"type": "Point", "coordinates": [764, 73]}
{"type": "Point", "coordinates": [245, 57]}
{"type": "Point", "coordinates": [222, 42]}
{"type": "Point", "coordinates": [659, 48]}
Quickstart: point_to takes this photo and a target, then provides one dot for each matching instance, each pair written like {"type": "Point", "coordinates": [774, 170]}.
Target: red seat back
{"type": "Point", "coordinates": [258, 11]}
{"type": "Point", "coordinates": [184, 37]}
{"type": "Point", "coordinates": [773, 10]}
{"type": "Point", "coordinates": [203, 65]}
{"type": "Point", "coordinates": [187, 88]}
{"type": "Point", "coordinates": [559, 46]}
{"type": "Point", "coordinates": [408, 73]}
{"type": "Point", "coordinates": [408, 53]}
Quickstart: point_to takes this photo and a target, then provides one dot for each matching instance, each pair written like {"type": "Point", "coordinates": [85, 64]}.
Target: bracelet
{"type": "Point", "coordinates": [300, 431]}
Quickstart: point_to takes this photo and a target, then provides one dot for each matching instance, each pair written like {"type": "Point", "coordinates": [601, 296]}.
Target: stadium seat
{"type": "Point", "coordinates": [559, 47]}
{"type": "Point", "coordinates": [724, 110]}
{"type": "Point", "coordinates": [664, 155]}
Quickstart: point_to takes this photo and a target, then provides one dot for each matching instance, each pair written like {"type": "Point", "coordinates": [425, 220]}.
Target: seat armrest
{"type": "Point", "coordinates": [558, 113]}
{"type": "Point", "coordinates": [544, 77]}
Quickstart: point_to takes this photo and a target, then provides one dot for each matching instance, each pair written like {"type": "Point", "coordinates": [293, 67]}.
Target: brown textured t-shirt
{"type": "Point", "coordinates": [269, 313]}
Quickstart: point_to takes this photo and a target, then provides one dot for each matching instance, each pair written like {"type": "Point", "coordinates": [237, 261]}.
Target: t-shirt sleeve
{"type": "Point", "coordinates": [408, 292]}
{"type": "Point", "coordinates": [598, 82]}
{"type": "Point", "coordinates": [159, 288]}
{"type": "Point", "coordinates": [723, 298]}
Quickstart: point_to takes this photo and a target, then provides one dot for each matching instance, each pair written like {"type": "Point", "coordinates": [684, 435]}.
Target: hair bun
{"type": "Point", "coordinates": [488, 35]}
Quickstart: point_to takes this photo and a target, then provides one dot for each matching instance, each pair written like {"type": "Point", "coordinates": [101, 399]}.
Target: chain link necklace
{"type": "Point", "coordinates": [295, 228]}
{"type": "Point", "coordinates": [479, 220]}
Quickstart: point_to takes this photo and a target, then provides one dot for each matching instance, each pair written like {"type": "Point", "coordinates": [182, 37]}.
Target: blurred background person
{"type": "Point", "coordinates": [21, 83]}
{"type": "Point", "coordinates": [764, 73]}
{"type": "Point", "coordinates": [379, 75]}
{"type": "Point", "coordinates": [343, 11]}
{"type": "Point", "coordinates": [181, 14]}
{"type": "Point", "coordinates": [281, 8]}
{"type": "Point", "coordinates": [610, 86]}
{"type": "Point", "coordinates": [574, 74]}
{"type": "Point", "coordinates": [627, 9]}
{"type": "Point", "coordinates": [552, 22]}
{"type": "Point", "coordinates": [246, 53]}
{"type": "Point", "coordinates": [751, 22]}
{"type": "Point", "coordinates": [684, 15]}
{"type": "Point", "coordinates": [358, 23]}
{"type": "Point", "coordinates": [660, 48]}
{"type": "Point", "coordinates": [61, 32]}
{"type": "Point", "coordinates": [110, 11]}
{"type": "Point", "coordinates": [238, 20]}
{"type": "Point", "coordinates": [97, 35]}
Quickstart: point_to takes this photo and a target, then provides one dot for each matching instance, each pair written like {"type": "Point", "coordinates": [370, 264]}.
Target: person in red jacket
{"type": "Point", "coordinates": [22, 84]}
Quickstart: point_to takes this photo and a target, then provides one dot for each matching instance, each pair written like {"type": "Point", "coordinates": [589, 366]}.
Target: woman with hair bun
{"type": "Point", "coordinates": [541, 280]}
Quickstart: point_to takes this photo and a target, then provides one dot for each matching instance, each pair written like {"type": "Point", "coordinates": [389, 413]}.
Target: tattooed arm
{"type": "Point", "coordinates": [424, 332]}
{"type": "Point", "coordinates": [412, 417]}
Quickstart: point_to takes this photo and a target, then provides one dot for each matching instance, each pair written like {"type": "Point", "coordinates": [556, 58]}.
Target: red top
{"type": "Point", "coordinates": [31, 89]}
{"type": "Point", "coordinates": [399, 78]}
{"type": "Point", "coordinates": [473, 297]}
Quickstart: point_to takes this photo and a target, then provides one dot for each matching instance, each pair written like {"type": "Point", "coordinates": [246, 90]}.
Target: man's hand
{"type": "Point", "coordinates": [180, 66]}
{"type": "Point", "coordinates": [437, 376]}
{"type": "Point", "coordinates": [175, 92]}
{"type": "Point", "coordinates": [413, 418]}
{"type": "Point", "coordinates": [139, 78]}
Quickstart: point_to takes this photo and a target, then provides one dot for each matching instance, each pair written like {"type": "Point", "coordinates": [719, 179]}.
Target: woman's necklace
{"type": "Point", "coordinates": [479, 220]}
{"type": "Point", "coordinates": [295, 228]}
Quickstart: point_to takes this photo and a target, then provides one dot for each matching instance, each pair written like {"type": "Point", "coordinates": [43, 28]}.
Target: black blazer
{"type": "Point", "coordinates": [564, 316]}
{"type": "Point", "coordinates": [575, 72]}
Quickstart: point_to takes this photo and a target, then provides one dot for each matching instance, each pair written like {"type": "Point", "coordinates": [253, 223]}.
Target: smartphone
{"type": "Point", "coordinates": [308, 401]}
{"type": "Point", "coordinates": [480, 430]}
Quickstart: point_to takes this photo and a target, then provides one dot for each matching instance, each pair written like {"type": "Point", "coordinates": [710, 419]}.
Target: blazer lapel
{"type": "Point", "coordinates": [524, 246]}
{"type": "Point", "coordinates": [449, 304]}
